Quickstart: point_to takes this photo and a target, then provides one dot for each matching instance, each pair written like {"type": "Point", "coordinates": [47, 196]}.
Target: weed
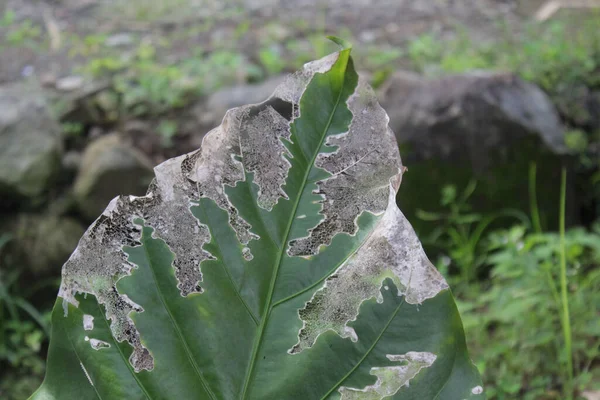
{"type": "Point", "coordinates": [8, 18]}
{"type": "Point", "coordinates": [23, 329]}
{"type": "Point", "coordinates": [167, 129]}
{"type": "Point", "coordinates": [72, 129]}
{"type": "Point", "coordinates": [459, 232]}
{"type": "Point", "coordinates": [272, 59]}
{"type": "Point", "coordinates": [23, 34]}
{"type": "Point", "coordinates": [552, 55]}
{"type": "Point", "coordinates": [518, 320]}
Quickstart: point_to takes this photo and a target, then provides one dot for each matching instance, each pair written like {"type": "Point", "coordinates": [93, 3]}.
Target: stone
{"type": "Point", "coordinates": [41, 243]}
{"type": "Point", "coordinates": [69, 83]}
{"type": "Point", "coordinates": [119, 40]}
{"type": "Point", "coordinates": [486, 126]}
{"type": "Point", "coordinates": [71, 161]}
{"type": "Point", "coordinates": [109, 167]}
{"type": "Point", "coordinates": [30, 143]}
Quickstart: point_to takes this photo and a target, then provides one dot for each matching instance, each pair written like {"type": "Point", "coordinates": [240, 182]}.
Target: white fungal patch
{"type": "Point", "coordinates": [219, 157]}
{"type": "Point", "coordinates": [365, 159]}
{"type": "Point", "coordinates": [391, 379]}
{"type": "Point", "coordinates": [96, 266]}
{"type": "Point", "coordinates": [262, 129]}
{"type": "Point", "coordinates": [97, 344]}
{"type": "Point", "coordinates": [247, 254]}
{"type": "Point", "coordinates": [88, 322]}
{"type": "Point", "coordinates": [477, 390]}
{"type": "Point", "coordinates": [166, 209]}
{"type": "Point", "coordinates": [293, 87]}
{"type": "Point", "coordinates": [392, 251]}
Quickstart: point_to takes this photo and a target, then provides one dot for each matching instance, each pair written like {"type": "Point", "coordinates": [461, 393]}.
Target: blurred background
{"type": "Point", "coordinates": [490, 100]}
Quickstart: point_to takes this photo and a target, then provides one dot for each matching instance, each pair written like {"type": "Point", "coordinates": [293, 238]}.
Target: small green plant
{"type": "Point", "coordinates": [552, 55]}
{"type": "Point", "coordinates": [536, 280]}
{"type": "Point", "coordinates": [26, 34]}
{"type": "Point", "coordinates": [23, 329]}
{"type": "Point", "coordinates": [459, 232]}
{"type": "Point", "coordinates": [516, 318]}
{"type": "Point", "coordinates": [272, 59]}
{"type": "Point", "coordinates": [72, 129]}
{"type": "Point", "coordinates": [8, 18]}
{"type": "Point", "coordinates": [167, 129]}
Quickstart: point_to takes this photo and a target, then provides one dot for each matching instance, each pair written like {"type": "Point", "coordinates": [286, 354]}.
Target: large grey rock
{"type": "Point", "coordinates": [41, 243]}
{"type": "Point", "coordinates": [30, 142]}
{"type": "Point", "coordinates": [109, 167]}
{"type": "Point", "coordinates": [469, 115]}
{"type": "Point", "coordinates": [485, 126]}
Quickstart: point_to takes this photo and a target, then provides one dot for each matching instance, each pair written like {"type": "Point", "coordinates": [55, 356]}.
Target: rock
{"type": "Point", "coordinates": [40, 244]}
{"type": "Point", "coordinates": [71, 162]}
{"type": "Point", "coordinates": [580, 106]}
{"type": "Point", "coordinates": [208, 113]}
{"type": "Point", "coordinates": [30, 143]}
{"type": "Point", "coordinates": [109, 167]}
{"type": "Point", "coordinates": [483, 125]}
{"type": "Point", "coordinates": [591, 395]}
{"type": "Point", "coordinates": [119, 40]}
{"type": "Point", "coordinates": [69, 83]}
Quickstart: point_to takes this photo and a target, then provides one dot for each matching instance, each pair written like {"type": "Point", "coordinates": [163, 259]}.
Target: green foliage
{"type": "Point", "coordinates": [552, 55]}
{"type": "Point", "coordinates": [148, 85]}
{"type": "Point", "coordinates": [271, 59]}
{"type": "Point", "coordinates": [459, 233]}
{"type": "Point", "coordinates": [8, 18]}
{"type": "Point", "coordinates": [72, 129]}
{"type": "Point", "coordinates": [167, 129]}
{"type": "Point", "coordinates": [513, 320]}
{"type": "Point", "coordinates": [23, 329]}
{"type": "Point", "coordinates": [515, 313]}
{"type": "Point", "coordinates": [23, 34]}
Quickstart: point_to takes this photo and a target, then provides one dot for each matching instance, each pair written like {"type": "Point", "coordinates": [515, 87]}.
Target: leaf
{"type": "Point", "coordinates": [273, 263]}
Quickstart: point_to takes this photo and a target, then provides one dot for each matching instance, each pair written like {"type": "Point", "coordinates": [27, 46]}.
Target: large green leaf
{"type": "Point", "coordinates": [273, 263]}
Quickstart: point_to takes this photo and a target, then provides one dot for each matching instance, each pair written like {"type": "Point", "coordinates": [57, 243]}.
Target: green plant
{"type": "Point", "coordinates": [26, 33]}
{"type": "Point", "coordinates": [272, 59]}
{"type": "Point", "coordinates": [72, 129]}
{"type": "Point", "coordinates": [554, 55]}
{"type": "Point", "coordinates": [167, 129]}
{"type": "Point", "coordinates": [565, 319]}
{"type": "Point", "coordinates": [273, 263]}
{"type": "Point", "coordinates": [8, 18]}
{"type": "Point", "coordinates": [22, 331]}
{"type": "Point", "coordinates": [460, 233]}
{"type": "Point", "coordinates": [514, 320]}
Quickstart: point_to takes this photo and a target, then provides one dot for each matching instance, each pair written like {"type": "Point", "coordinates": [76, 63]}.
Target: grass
{"type": "Point", "coordinates": [551, 55]}
{"type": "Point", "coordinates": [566, 319]}
{"type": "Point", "coordinates": [523, 284]}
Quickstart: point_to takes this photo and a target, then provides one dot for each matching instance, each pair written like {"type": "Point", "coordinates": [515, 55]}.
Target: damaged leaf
{"type": "Point", "coordinates": [272, 263]}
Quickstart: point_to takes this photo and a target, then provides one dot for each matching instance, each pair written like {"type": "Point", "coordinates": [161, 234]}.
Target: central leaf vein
{"type": "Point", "coordinates": [268, 306]}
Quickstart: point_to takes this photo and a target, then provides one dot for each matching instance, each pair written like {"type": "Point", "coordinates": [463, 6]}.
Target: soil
{"type": "Point", "coordinates": [390, 22]}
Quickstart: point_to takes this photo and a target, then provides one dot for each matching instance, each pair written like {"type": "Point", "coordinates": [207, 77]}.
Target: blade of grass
{"type": "Point", "coordinates": [566, 320]}
{"type": "Point", "coordinates": [533, 204]}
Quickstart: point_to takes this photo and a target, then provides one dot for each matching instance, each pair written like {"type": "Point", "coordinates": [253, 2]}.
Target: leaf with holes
{"type": "Point", "coordinates": [273, 263]}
